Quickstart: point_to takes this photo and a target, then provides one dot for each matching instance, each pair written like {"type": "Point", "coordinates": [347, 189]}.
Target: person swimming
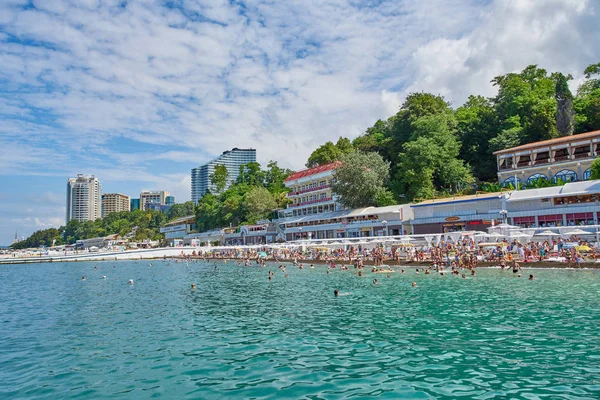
{"type": "Point", "coordinates": [374, 281]}
{"type": "Point", "coordinates": [531, 277]}
{"type": "Point", "coordinates": [130, 282]}
{"type": "Point", "coordinates": [516, 267]}
{"type": "Point", "coordinates": [193, 286]}
{"type": "Point", "coordinates": [83, 278]}
{"type": "Point", "coordinates": [336, 293]}
{"type": "Point", "coordinates": [414, 284]}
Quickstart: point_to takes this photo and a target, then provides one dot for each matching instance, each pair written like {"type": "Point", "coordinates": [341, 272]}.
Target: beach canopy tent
{"type": "Point", "coordinates": [583, 248]}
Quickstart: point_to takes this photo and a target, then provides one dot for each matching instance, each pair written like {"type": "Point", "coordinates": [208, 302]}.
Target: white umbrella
{"type": "Point", "coordinates": [520, 235]}
{"type": "Point", "coordinates": [503, 226]}
{"type": "Point", "coordinates": [578, 232]}
{"type": "Point", "coordinates": [547, 233]}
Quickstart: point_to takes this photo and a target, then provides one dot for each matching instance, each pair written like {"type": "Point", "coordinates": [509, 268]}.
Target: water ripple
{"type": "Point", "coordinates": [240, 336]}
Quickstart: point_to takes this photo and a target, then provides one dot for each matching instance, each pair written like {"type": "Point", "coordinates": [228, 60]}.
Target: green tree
{"type": "Point", "coordinates": [181, 210]}
{"type": "Point", "coordinates": [430, 159]}
{"type": "Point", "coordinates": [330, 152]}
{"type": "Point", "coordinates": [251, 174]}
{"type": "Point", "coordinates": [208, 212]}
{"type": "Point", "coordinates": [595, 169]}
{"type": "Point", "coordinates": [219, 178]}
{"type": "Point", "coordinates": [587, 101]}
{"type": "Point", "coordinates": [530, 96]}
{"type": "Point", "coordinates": [477, 125]}
{"type": "Point", "coordinates": [260, 203]}
{"type": "Point", "coordinates": [360, 180]}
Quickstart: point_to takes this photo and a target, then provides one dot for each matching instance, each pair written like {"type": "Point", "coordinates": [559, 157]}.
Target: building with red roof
{"type": "Point", "coordinates": [310, 191]}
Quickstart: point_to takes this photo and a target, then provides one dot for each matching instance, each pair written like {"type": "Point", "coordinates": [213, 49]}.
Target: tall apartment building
{"type": "Point", "coordinates": [149, 198]}
{"type": "Point", "coordinates": [311, 191]}
{"type": "Point", "coordinates": [567, 158]}
{"type": "Point", "coordinates": [84, 198]}
{"type": "Point", "coordinates": [134, 204]}
{"type": "Point", "coordinates": [115, 202]}
{"type": "Point", "coordinates": [232, 159]}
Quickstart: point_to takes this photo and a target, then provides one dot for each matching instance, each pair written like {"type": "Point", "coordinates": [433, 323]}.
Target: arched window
{"type": "Point", "coordinates": [587, 174]}
{"type": "Point", "coordinates": [511, 181]}
{"type": "Point", "coordinates": [565, 175]}
{"type": "Point", "coordinates": [535, 177]}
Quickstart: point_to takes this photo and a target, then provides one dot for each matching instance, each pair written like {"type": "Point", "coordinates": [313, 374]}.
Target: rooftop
{"type": "Point", "coordinates": [472, 197]}
{"type": "Point", "coordinates": [182, 220]}
{"type": "Point", "coordinates": [313, 171]}
{"type": "Point", "coordinates": [550, 142]}
{"type": "Point", "coordinates": [568, 189]}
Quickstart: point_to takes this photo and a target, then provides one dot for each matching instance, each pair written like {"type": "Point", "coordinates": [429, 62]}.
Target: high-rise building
{"type": "Point", "coordinates": [148, 198]}
{"type": "Point", "coordinates": [84, 198]}
{"type": "Point", "coordinates": [232, 159]}
{"type": "Point", "coordinates": [114, 202]}
{"type": "Point", "coordinates": [170, 200]}
{"type": "Point", "coordinates": [134, 204]}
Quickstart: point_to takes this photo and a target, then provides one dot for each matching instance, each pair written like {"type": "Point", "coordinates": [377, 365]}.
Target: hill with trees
{"type": "Point", "coordinates": [435, 149]}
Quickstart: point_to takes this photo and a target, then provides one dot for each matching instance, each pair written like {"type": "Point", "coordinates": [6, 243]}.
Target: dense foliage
{"type": "Point", "coordinates": [253, 197]}
{"type": "Point", "coordinates": [140, 224]}
{"type": "Point", "coordinates": [360, 180]}
{"type": "Point", "coordinates": [435, 149]}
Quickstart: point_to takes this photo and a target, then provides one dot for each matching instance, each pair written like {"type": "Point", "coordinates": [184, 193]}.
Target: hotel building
{"type": "Point", "coordinates": [115, 202]}
{"type": "Point", "coordinates": [232, 159]}
{"type": "Point", "coordinates": [567, 158]}
{"type": "Point", "coordinates": [310, 191]}
{"type": "Point", "coordinates": [148, 199]}
{"type": "Point", "coordinates": [84, 198]}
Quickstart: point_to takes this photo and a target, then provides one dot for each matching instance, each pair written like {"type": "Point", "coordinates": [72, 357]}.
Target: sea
{"type": "Point", "coordinates": [239, 335]}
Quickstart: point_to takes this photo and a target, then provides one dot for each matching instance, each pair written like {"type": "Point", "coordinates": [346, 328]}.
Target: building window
{"type": "Point", "coordinates": [511, 181]}
{"type": "Point", "coordinates": [565, 175]}
{"type": "Point", "coordinates": [535, 177]}
{"type": "Point", "coordinates": [587, 174]}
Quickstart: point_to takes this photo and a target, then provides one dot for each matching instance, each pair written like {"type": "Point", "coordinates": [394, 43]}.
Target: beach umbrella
{"type": "Point", "coordinates": [578, 232]}
{"type": "Point", "coordinates": [547, 233]}
{"type": "Point", "coordinates": [501, 244]}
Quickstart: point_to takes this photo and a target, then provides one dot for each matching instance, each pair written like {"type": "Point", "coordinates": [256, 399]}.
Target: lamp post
{"type": "Point", "coordinates": [503, 214]}
{"type": "Point", "coordinates": [384, 222]}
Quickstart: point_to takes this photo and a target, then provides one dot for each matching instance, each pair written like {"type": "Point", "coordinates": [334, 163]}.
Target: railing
{"type": "Point", "coordinates": [581, 155]}
{"type": "Point", "coordinates": [309, 190]}
{"type": "Point", "coordinates": [561, 158]}
{"type": "Point", "coordinates": [541, 161]}
{"type": "Point", "coordinates": [505, 167]}
{"type": "Point", "coordinates": [311, 202]}
{"type": "Point", "coordinates": [523, 164]}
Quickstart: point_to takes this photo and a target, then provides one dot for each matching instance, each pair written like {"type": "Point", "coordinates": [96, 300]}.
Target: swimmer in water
{"type": "Point", "coordinates": [104, 277]}
{"type": "Point", "coordinates": [414, 284]}
{"type": "Point", "coordinates": [374, 281]}
{"type": "Point", "coordinates": [531, 277]}
{"type": "Point", "coordinates": [130, 282]}
{"type": "Point", "coordinates": [336, 293]}
{"type": "Point", "coordinates": [193, 286]}
{"type": "Point", "coordinates": [83, 278]}
{"type": "Point", "coordinates": [518, 276]}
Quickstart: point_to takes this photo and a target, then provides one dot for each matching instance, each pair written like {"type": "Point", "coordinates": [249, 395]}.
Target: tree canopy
{"type": "Point", "coordinates": [360, 180]}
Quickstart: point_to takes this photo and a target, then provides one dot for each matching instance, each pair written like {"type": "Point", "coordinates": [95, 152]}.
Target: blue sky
{"type": "Point", "coordinates": [139, 92]}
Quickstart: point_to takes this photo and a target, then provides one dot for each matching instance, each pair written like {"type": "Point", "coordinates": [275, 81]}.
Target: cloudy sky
{"type": "Point", "coordinates": [140, 92]}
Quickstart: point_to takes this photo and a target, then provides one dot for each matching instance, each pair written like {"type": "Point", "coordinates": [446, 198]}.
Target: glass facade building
{"type": "Point", "coordinates": [232, 159]}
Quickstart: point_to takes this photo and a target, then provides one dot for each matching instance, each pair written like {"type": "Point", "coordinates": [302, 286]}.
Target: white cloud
{"type": "Point", "coordinates": [180, 85]}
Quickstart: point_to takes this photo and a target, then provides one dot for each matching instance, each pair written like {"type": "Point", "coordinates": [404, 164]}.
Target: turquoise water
{"type": "Point", "coordinates": [237, 335]}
